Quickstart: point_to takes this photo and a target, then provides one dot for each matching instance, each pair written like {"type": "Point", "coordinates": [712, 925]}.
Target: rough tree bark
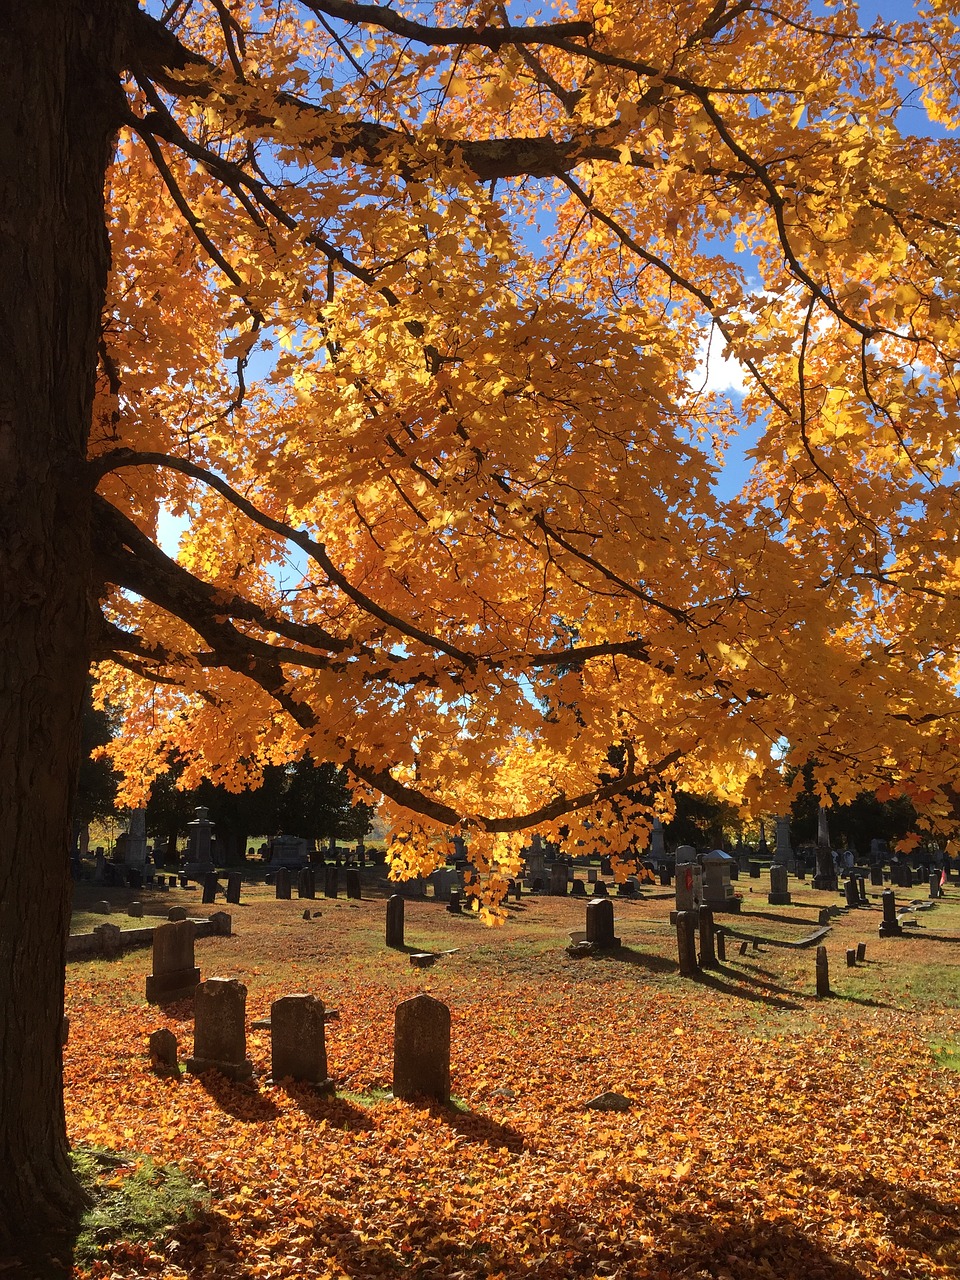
{"type": "Point", "coordinates": [59, 105]}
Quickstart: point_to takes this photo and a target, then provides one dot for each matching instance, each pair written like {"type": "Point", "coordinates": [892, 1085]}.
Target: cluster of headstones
{"type": "Point", "coordinates": [307, 882]}
{"type": "Point", "coordinates": [421, 1044]}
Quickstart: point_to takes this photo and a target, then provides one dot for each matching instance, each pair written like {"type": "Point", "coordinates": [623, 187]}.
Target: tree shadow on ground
{"type": "Point", "coordinates": [243, 1101]}
{"type": "Point", "coordinates": [642, 959]}
{"type": "Point", "coordinates": [714, 979]}
{"type": "Point", "coordinates": [426, 1243]}
{"type": "Point", "coordinates": [339, 1113]}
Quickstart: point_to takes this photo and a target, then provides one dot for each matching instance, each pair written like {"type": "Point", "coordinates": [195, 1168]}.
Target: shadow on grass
{"type": "Point", "coordinates": [642, 959]}
{"type": "Point", "coordinates": [714, 979]}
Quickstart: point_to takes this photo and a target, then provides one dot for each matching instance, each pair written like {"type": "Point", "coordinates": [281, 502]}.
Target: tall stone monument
{"type": "Point", "coordinates": [135, 853]}
{"type": "Point", "coordinates": [200, 845]}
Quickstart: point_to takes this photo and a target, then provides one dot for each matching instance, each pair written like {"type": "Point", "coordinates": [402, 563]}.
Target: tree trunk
{"type": "Point", "coordinates": [58, 110]}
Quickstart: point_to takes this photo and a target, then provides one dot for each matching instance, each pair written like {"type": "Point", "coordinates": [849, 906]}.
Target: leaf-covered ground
{"type": "Point", "coordinates": [773, 1135]}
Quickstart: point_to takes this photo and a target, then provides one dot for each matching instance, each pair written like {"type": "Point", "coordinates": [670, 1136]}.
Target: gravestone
{"type": "Point", "coordinates": [297, 1039]}
{"type": "Point", "coordinates": [600, 889]}
{"type": "Point", "coordinates": [517, 889]}
{"type": "Point", "coordinates": [421, 1049]}
{"type": "Point", "coordinates": [657, 849]}
{"type": "Point", "coordinates": [306, 883]}
{"type": "Point", "coordinates": [281, 883]}
{"type": "Point", "coordinates": [199, 844]}
{"type": "Point", "coordinates": [851, 892]}
{"type": "Point", "coordinates": [558, 880]}
{"type": "Point", "coordinates": [720, 938]}
{"type": "Point", "coordinates": [935, 890]}
{"type": "Point", "coordinates": [783, 850]}
{"type": "Point", "coordinates": [135, 845]}
{"type": "Point", "coordinates": [686, 943]}
{"type": "Point", "coordinates": [103, 908]}
{"type": "Point", "coordinates": [578, 889]}
{"type": "Point", "coordinates": [454, 906]}
{"type": "Point", "coordinates": [708, 953]}
{"type": "Point", "coordinates": [876, 875]}
{"type": "Point", "coordinates": [851, 957]}
{"type": "Point", "coordinates": [109, 940]}
{"type": "Point", "coordinates": [591, 875]}
{"type": "Point", "coordinates": [534, 859]}
{"type": "Point", "coordinates": [395, 921]}
{"type": "Point", "coordinates": [754, 870]}
{"type": "Point", "coordinates": [234, 882]}
{"type": "Point", "coordinates": [288, 851]}
{"type": "Point", "coordinates": [163, 1053]}
{"type": "Point", "coordinates": [779, 879]}
{"type": "Point", "coordinates": [210, 887]}
{"type": "Point", "coordinates": [861, 951]}
{"type": "Point", "coordinates": [606, 867]}
{"type": "Point", "coordinates": [717, 888]}
{"type": "Point", "coordinates": [177, 913]}
{"type": "Point", "coordinates": [134, 878]}
{"type": "Point", "coordinates": [352, 878]}
{"type": "Point", "coordinates": [175, 975]}
{"type": "Point", "coordinates": [219, 1029]}
{"type": "Point", "coordinates": [135, 910]}
{"type": "Point", "coordinates": [689, 886]}
{"type": "Point", "coordinates": [889, 926]}
{"type": "Point", "coordinates": [823, 972]}
{"type": "Point", "coordinates": [862, 891]}
{"type": "Point", "coordinates": [222, 923]}
{"type": "Point", "coordinates": [331, 881]}
{"type": "Point", "coordinates": [600, 925]}
{"type": "Point", "coordinates": [665, 876]}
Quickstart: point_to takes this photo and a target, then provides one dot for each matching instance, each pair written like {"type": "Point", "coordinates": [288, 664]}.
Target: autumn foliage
{"type": "Point", "coordinates": [409, 320]}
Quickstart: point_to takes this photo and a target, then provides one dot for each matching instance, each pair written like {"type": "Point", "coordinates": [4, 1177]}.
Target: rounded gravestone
{"type": "Point", "coordinates": [421, 1049]}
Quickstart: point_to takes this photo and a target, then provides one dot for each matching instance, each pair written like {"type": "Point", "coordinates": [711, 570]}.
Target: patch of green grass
{"type": "Point", "coordinates": [368, 1099]}
{"type": "Point", "coordinates": [133, 1198]}
{"type": "Point", "coordinates": [946, 1053]}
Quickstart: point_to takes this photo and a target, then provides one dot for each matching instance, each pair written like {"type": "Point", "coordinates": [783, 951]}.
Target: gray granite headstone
{"type": "Point", "coordinates": [298, 1043]}
{"type": "Point", "coordinates": [600, 924]}
{"type": "Point", "coordinates": [779, 879]}
{"type": "Point", "coordinates": [421, 1049]}
{"type": "Point", "coordinates": [175, 976]}
{"type": "Point", "coordinates": [219, 1029]}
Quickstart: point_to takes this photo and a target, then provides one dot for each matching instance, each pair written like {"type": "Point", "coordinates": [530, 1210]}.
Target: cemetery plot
{"type": "Point", "coordinates": [750, 1129]}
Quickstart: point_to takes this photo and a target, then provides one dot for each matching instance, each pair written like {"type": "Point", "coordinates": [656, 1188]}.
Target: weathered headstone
{"type": "Point", "coordinates": [219, 1029]}
{"type": "Point", "coordinates": [708, 954]}
{"type": "Point", "coordinates": [109, 940]}
{"type": "Point", "coordinates": [779, 879]}
{"type": "Point", "coordinates": [163, 1053]}
{"type": "Point", "coordinates": [861, 951]}
{"type": "Point", "coordinates": [851, 892]}
{"type": "Point", "coordinates": [331, 881]}
{"type": "Point", "coordinates": [578, 889]}
{"type": "Point", "coordinates": [600, 925]}
{"type": "Point", "coordinates": [823, 972]}
{"type": "Point", "coordinates": [686, 943]}
{"type": "Point", "coordinates": [135, 909]}
{"type": "Point", "coordinates": [454, 905]}
{"type": "Point", "coordinates": [395, 921]}
{"type": "Point", "coordinates": [175, 976]}
{"type": "Point", "coordinates": [851, 957]}
{"type": "Point", "coordinates": [234, 882]}
{"type": "Point", "coordinates": [135, 845]}
{"type": "Point", "coordinates": [421, 1049]}
{"type": "Point", "coordinates": [353, 884]}
{"type": "Point", "coordinates": [720, 938]}
{"type": "Point", "coordinates": [210, 887]}
{"type": "Point", "coordinates": [306, 883]}
{"type": "Point", "coordinates": [689, 886]}
{"type": "Point", "coordinates": [222, 923]}
{"type": "Point", "coordinates": [600, 890]}
{"type": "Point", "coordinates": [591, 875]}
{"type": "Point", "coordinates": [281, 883]}
{"type": "Point", "coordinates": [103, 908]}
{"type": "Point", "coordinates": [876, 875]}
{"type": "Point", "coordinates": [558, 880]}
{"type": "Point", "coordinates": [177, 913]}
{"type": "Point", "coordinates": [783, 850]}
{"type": "Point", "coordinates": [889, 926]}
{"type": "Point", "coordinates": [298, 1043]}
{"type": "Point", "coordinates": [717, 888]}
